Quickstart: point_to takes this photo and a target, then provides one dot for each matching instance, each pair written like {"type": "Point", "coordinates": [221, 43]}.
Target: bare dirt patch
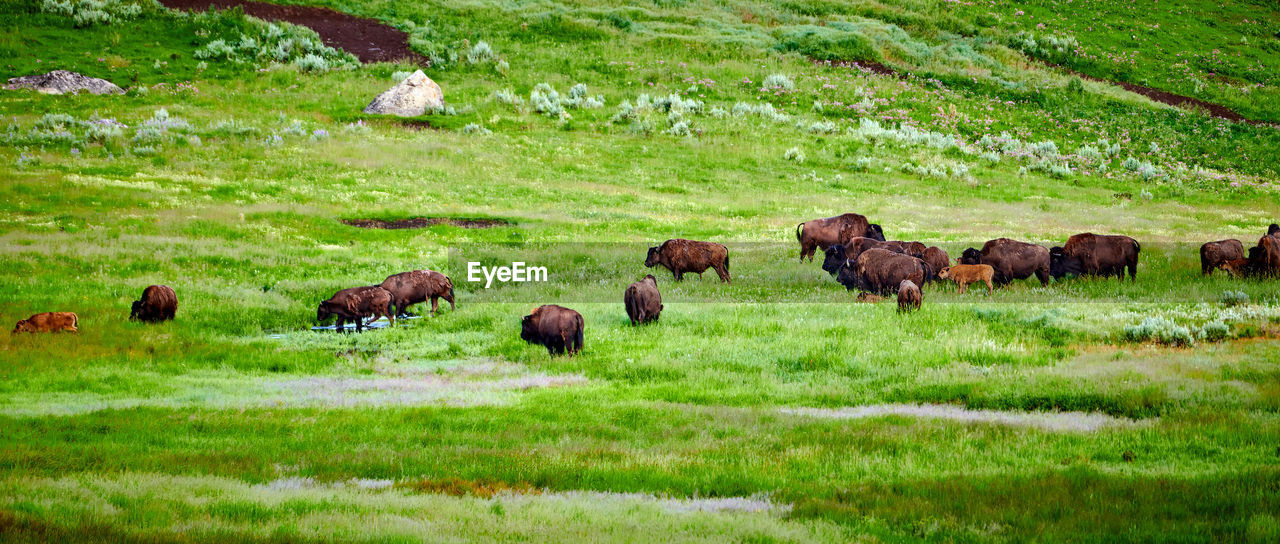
{"type": "Point", "coordinates": [1047, 421]}
{"type": "Point", "coordinates": [423, 222]}
{"type": "Point", "coordinates": [369, 40]}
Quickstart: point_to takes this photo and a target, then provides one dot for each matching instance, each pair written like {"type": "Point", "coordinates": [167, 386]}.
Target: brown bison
{"type": "Point", "coordinates": [836, 255]}
{"type": "Point", "coordinates": [679, 256]}
{"type": "Point", "coordinates": [158, 303]}
{"type": "Point", "coordinates": [1089, 254]}
{"type": "Point", "coordinates": [643, 301]}
{"type": "Point", "coordinates": [1011, 260]}
{"type": "Point", "coordinates": [1263, 260]}
{"type": "Point", "coordinates": [556, 327]}
{"type": "Point", "coordinates": [880, 271]}
{"type": "Point", "coordinates": [409, 288]}
{"type": "Point", "coordinates": [1213, 254]}
{"type": "Point", "coordinates": [1273, 230]}
{"type": "Point", "coordinates": [823, 233]}
{"type": "Point", "coordinates": [355, 304]}
{"type": "Point", "coordinates": [937, 258]}
{"type": "Point", "coordinates": [49, 322]}
{"type": "Point", "coordinates": [964, 274]}
{"type": "Point", "coordinates": [908, 296]}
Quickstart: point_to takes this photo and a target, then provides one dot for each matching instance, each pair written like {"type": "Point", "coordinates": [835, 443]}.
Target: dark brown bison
{"type": "Point", "coordinates": [409, 288]}
{"type": "Point", "coordinates": [1273, 230]}
{"type": "Point", "coordinates": [908, 296]}
{"type": "Point", "coordinates": [823, 233]}
{"type": "Point", "coordinates": [1213, 254]}
{"type": "Point", "coordinates": [355, 304]}
{"type": "Point", "coordinates": [643, 301]}
{"type": "Point", "coordinates": [679, 256]}
{"type": "Point", "coordinates": [556, 327]}
{"type": "Point", "coordinates": [880, 271]}
{"type": "Point", "coordinates": [836, 255]}
{"type": "Point", "coordinates": [158, 303]}
{"type": "Point", "coordinates": [1263, 260]}
{"type": "Point", "coordinates": [1089, 254]}
{"type": "Point", "coordinates": [1011, 260]}
{"type": "Point", "coordinates": [49, 322]}
{"type": "Point", "coordinates": [937, 258]}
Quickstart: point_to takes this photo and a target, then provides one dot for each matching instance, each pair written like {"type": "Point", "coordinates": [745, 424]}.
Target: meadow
{"type": "Point", "coordinates": [777, 408]}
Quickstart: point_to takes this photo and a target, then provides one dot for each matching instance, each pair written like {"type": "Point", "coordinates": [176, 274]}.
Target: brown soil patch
{"type": "Point", "coordinates": [458, 487]}
{"type": "Point", "coordinates": [423, 222]}
{"type": "Point", "coordinates": [368, 39]}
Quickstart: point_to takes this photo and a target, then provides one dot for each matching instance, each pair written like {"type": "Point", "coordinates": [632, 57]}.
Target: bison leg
{"type": "Point", "coordinates": [435, 305]}
{"type": "Point", "coordinates": [990, 289]}
{"type": "Point", "coordinates": [1043, 275]}
{"type": "Point", "coordinates": [962, 286]}
{"type": "Point", "coordinates": [678, 275]}
{"type": "Point", "coordinates": [723, 273]}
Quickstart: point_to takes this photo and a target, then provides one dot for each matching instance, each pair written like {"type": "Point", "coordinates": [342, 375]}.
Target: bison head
{"type": "Point", "coordinates": [649, 278]}
{"type": "Point", "coordinates": [874, 232]}
{"type": "Point", "coordinates": [652, 259]}
{"type": "Point", "coordinates": [848, 275]}
{"type": "Point", "coordinates": [323, 312]}
{"type": "Point", "coordinates": [834, 259]}
{"type": "Point", "coordinates": [1273, 230]}
{"type": "Point", "coordinates": [24, 326]}
{"type": "Point", "coordinates": [529, 329]}
{"type": "Point", "coordinates": [136, 311]}
{"type": "Point", "coordinates": [971, 256]}
{"type": "Point", "coordinates": [945, 273]}
{"type": "Point", "coordinates": [1061, 264]}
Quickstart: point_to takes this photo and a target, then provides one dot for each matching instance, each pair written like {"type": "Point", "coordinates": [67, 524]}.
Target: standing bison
{"type": "Point", "coordinates": [49, 322]}
{"type": "Point", "coordinates": [158, 303]}
{"type": "Point", "coordinates": [409, 288]}
{"type": "Point", "coordinates": [1263, 260]}
{"type": "Point", "coordinates": [881, 271]}
{"type": "Point", "coordinates": [1214, 254]}
{"type": "Point", "coordinates": [643, 301]}
{"type": "Point", "coordinates": [837, 254]}
{"type": "Point", "coordinates": [823, 233]}
{"type": "Point", "coordinates": [936, 258]}
{"type": "Point", "coordinates": [1089, 254]}
{"type": "Point", "coordinates": [679, 256]}
{"type": "Point", "coordinates": [556, 327]}
{"type": "Point", "coordinates": [908, 296]}
{"type": "Point", "coordinates": [1011, 260]}
{"type": "Point", "coordinates": [355, 304]}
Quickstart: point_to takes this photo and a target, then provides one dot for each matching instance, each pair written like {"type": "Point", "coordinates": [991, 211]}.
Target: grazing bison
{"type": "Point", "coordinates": [880, 271]}
{"type": "Point", "coordinates": [158, 303]}
{"type": "Point", "coordinates": [1263, 260]}
{"type": "Point", "coordinates": [409, 288]}
{"type": "Point", "coordinates": [49, 322]}
{"type": "Point", "coordinates": [643, 301]}
{"type": "Point", "coordinates": [1011, 260]}
{"type": "Point", "coordinates": [836, 255]}
{"type": "Point", "coordinates": [823, 233]}
{"type": "Point", "coordinates": [1273, 230]}
{"type": "Point", "coordinates": [1089, 254]}
{"type": "Point", "coordinates": [356, 303]}
{"type": "Point", "coordinates": [908, 296]}
{"type": "Point", "coordinates": [964, 274]}
{"type": "Point", "coordinates": [679, 256]}
{"type": "Point", "coordinates": [556, 327]}
{"type": "Point", "coordinates": [937, 258]}
{"type": "Point", "coordinates": [1214, 254]}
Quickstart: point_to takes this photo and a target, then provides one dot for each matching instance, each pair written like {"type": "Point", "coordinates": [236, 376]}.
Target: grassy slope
{"type": "Point", "coordinates": [245, 231]}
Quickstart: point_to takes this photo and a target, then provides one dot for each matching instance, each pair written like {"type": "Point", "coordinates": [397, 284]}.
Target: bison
{"type": "Point", "coordinates": [1089, 254]}
{"type": "Point", "coordinates": [1011, 260]}
{"type": "Point", "coordinates": [679, 256]}
{"type": "Point", "coordinates": [880, 271]}
{"type": "Point", "coordinates": [936, 258]}
{"type": "Point", "coordinates": [964, 274]}
{"type": "Point", "coordinates": [556, 327]}
{"type": "Point", "coordinates": [823, 233]}
{"type": "Point", "coordinates": [158, 303]}
{"type": "Point", "coordinates": [49, 322]}
{"type": "Point", "coordinates": [409, 288]}
{"type": "Point", "coordinates": [908, 296]}
{"type": "Point", "coordinates": [356, 303]}
{"type": "Point", "coordinates": [1273, 230]}
{"type": "Point", "coordinates": [836, 255]}
{"type": "Point", "coordinates": [643, 301]}
{"type": "Point", "coordinates": [1263, 260]}
{"type": "Point", "coordinates": [1214, 254]}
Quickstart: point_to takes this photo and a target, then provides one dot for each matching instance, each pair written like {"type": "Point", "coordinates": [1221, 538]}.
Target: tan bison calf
{"type": "Point", "coordinates": [679, 256]}
{"type": "Point", "coordinates": [409, 288]}
{"type": "Point", "coordinates": [643, 301]}
{"type": "Point", "coordinates": [964, 274]}
{"type": "Point", "coordinates": [158, 303]}
{"type": "Point", "coordinates": [556, 327]}
{"type": "Point", "coordinates": [49, 322]}
{"type": "Point", "coordinates": [908, 296]}
{"type": "Point", "coordinates": [357, 303]}
{"type": "Point", "coordinates": [1213, 254]}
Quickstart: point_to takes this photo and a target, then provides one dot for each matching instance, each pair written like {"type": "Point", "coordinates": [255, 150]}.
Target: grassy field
{"type": "Point", "coordinates": [774, 409]}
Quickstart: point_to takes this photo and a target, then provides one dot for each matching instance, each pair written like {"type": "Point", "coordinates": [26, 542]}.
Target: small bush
{"type": "Point", "coordinates": [1160, 329]}
{"type": "Point", "coordinates": [476, 129]}
{"type": "Point", "coordinates": [480, 53]}
{"type": "Point", "coordinates": [1234, 298]}
{"type": "Point", "coordinates": [794, 154]}
{"type": "Point", "coordinates": [779, 81]}
{"type": "Point", "coordinates": [1214, 332]}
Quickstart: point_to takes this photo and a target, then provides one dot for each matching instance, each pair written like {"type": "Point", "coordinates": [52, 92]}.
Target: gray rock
{"type": "Point", "coordinates": [61, 82]}
{"type": "Point", "coordinates": [412, 97]}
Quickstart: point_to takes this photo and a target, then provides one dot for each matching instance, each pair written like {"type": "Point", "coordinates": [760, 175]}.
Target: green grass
{"type": "Point", "coordinates": [202, 428]}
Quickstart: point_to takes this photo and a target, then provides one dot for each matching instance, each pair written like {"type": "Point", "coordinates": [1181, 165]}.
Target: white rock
{"type": "Point", "coordinates": [62, 81]}
{"type": "Point", "coordinates": [414, 96]}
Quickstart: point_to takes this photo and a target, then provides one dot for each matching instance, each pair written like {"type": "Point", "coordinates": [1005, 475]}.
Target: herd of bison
{"type": "Point", "coordinates": [855, 250]}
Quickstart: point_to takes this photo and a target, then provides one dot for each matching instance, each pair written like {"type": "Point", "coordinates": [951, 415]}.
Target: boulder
{"type": "Point", "coordinates": [61, 82]}
{"type": "Point", "coordinates": [412, 97]}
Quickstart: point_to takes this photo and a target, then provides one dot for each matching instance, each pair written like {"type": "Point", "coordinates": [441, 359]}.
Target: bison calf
{"type": "Point", "coordinates": [643, 301]}
{"type": "Point", "coordinates": [679, 256]}
{"type": "Point", "coordinates": [908, 296]}
{"type": "Point", "coordinates": [49, 322]}
{"type": "Point", "coordinates": [355, 304]}
{"type": "Point", "coordinates": [158, 303]}
{"type": "Point", "coordinates": [409, 288]}
{"type": "Point", "coordinates": [1214, 254]}
{"type": "Point", "coordinates": [964, 274]}
{"type": "Point", "coordinates": [556, 327]}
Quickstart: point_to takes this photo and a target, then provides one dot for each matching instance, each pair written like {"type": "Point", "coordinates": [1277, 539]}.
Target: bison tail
{"type": "Point", "coordinates": [577, 338]}
{"type": "Point", "coordinates": [726, 263]}
{"type": "Point", "coordinates": [799, 231]}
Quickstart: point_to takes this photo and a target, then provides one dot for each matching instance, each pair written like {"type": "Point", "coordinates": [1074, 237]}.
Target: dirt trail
{"type": "Point", "coordinates": [369, 40]}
